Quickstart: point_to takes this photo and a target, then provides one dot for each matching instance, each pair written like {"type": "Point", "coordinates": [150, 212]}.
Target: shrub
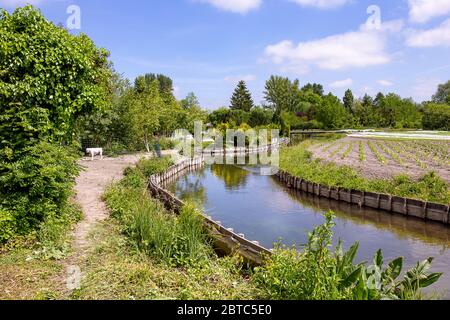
{"type": "Point", "coordinates": [7, 225]}
{"type": "Point", "coordinates": [166, 143]}
{"type": "Point", "coordinates": [149, 167]}
{"type": "Point", "coordinates": [317, 273]}
{"type": "Point", "coordinates": [176, 240]}
{"type": "Point", "coordinates": [38, 185]}
{"type": "Point", "coordinates": [436, 117]}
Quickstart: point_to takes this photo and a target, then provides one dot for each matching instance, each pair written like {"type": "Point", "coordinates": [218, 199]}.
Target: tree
{"type": "Point", "coordinates": [145, 111]}
{"type": "Point", "coordinates": [443, 94]}
{"type": "Point", "coordinates": [48, 78]}
{"type": "Point", "coordinates": [436, 117]}
{"type": "Point", "coordinates": [190, 101]}
{"type": "Point", "coordinates": [331, 113]}
{"type": "Point", "coordinates": [314, 87]}
{"type": "Point", "coordinates": [349, 100]}
{"type": "Point", "coordinates": [165, 85]}
{"type": "Point", "coordinates": [379, 100]}
{"type": "Point", "coordinates": [282, 95]}
{"type": "Point", "coordinates": [260, 117]}
{"type": "Point", "coordinates": [396, 112]}
{"type": "Point", "coordinates": [241, 99]}
{"type": "Point", "coordinates": [219, 116]}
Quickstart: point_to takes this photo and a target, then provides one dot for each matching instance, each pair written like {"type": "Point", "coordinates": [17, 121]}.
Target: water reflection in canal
{"type": "Point", "coordinates": [264, 210]}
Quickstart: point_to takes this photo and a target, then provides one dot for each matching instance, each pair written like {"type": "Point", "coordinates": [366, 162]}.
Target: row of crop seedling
{"type": "Point", "coordinates": [376, 153]}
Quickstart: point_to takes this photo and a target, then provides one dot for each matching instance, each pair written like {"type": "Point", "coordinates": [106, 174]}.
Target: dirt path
{"type": "Point", "coordinates": [90, 185]}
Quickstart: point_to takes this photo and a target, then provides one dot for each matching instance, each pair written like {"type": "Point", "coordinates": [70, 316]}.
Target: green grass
{"type": "Point", "coordinates": [30, 266]}
{"type": "Point", "coordinates": [299, 162]}
{"type": "Point", "coordinates": [119, 271]}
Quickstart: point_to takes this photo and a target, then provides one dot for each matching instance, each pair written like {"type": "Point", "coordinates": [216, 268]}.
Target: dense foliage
{"type": "Point", "coordinates": [289, 106]}
{"type": "Point", "coordinates": [177, 241]}
{"type": "Point", "coordinates": [436, 117]}
{"type": "Point", "coordinates": [317, 273]}
{"type": "Point", "coordinates": [48, 78]}
{"type": "Point", "coordinates": [140, 115]}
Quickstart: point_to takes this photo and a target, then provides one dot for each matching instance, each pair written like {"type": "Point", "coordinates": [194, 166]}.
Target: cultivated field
{"type": "Point", "coordinates": [381, 158]}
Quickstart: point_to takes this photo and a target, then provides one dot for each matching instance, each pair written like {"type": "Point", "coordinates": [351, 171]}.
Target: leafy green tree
{"type": "Point", "coordinates": [239, 117]}
{"type": "Point", "coordinates": [314, 87]}
{"type": "Point", "coordinates": [241, 99]}
{"type": "Point", "coordinates": [219, 116]}
{"type": "Point", "coordinates": [443, 93]}
{"type": "Point", "coordinates": [436, 117]}
{"type": "Point", "coordinates": [260, 117]}
{"type": "Point", "coordinates": [145, 111]}
{"type": "Point", "coordinates": [283, 95]}
{"type": "Point", "coordinates": [349, 100]}
{"type": "Point", "coordinates": [379, 100]}
{"type": "Point", "coordinates": [165, 85]}
{"type": "Point", "coordinates": [331, 113]}
{"type": "Point", "coordinates": [48, 78]}
{"type": "Point", "coordinates": [396, 112]}
{"type": "Point", "coordinates": [190, 101]}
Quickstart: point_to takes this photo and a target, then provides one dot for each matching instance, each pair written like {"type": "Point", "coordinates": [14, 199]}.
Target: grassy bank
{"type": "Point", "coordinates": [298, 161]}
{"type": "Point", "coordinates": [30, 266]}
{"type": "Point", "coordinates": [146, 252]}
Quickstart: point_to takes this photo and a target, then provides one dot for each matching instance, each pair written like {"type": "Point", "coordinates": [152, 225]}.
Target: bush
{"type": "Point", "coordinates": [7, 225]}
{"type": "Point", "coordinates": [436, 117]}
{"type": "Point", "coordinates": [176, 240]}
{"type": "Point", "coordinates": [149, 167]}
{"type": "Point", "coordinates": [37, 186]}
{"type": "Point", "coordinates": [166, 143]}
{"type": "Point", "coordinates": [317, 273]}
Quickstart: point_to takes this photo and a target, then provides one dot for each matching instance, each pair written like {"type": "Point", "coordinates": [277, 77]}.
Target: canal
{"type": "Point", "coordinates": [265, 210]}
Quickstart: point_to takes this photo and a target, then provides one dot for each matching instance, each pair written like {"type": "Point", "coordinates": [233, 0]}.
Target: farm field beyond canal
{"type": "Point", "coordinates": [384, 158]}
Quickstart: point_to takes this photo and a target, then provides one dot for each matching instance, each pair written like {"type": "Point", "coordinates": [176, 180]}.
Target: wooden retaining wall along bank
{"type": "Point", "coordinates": [225, 240]}
{"type": "Point", "coordinates": [229, 242]}
{"type": "Point", "coordinates": [407, 207]}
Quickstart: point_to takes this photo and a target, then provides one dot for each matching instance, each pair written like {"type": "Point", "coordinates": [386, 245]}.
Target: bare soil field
{"type": "Point", "coordinates": [382, 158]}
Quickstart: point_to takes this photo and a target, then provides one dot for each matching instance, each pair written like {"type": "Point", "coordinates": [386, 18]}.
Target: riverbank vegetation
{"type": "Point", "coordinates": [298, 161]}
{"type": "Point", "coordinates": [38, 155]}
{"type": "Point", "coordinates": [152, 255]}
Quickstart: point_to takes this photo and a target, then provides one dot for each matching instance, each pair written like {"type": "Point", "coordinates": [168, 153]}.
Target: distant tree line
{"type": "Point", "coordinates": [290, 106]}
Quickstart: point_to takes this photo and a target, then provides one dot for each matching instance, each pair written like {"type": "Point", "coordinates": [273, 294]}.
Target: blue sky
{"type": "Point", "coordinates": [206, 46]}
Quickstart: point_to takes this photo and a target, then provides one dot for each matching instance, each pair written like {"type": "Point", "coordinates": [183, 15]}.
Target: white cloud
{"type": "Point", "coordinates": [19, 3]}
{"type": "Point", "coordinates": [362, 48]}
{"type": "Point", "coordinates": [437, 37]}
{"type": "Point", "coordinates": [421, 11]}
{"type": "Point", "coordinates": [236, 6]}
{"type": "Point", "coordinates": [385, 83]}
{"type": "Point", "coordinates": [342, 83]}
{"type": "Point", "coordinates": [322, 4]}
{"type": "Point", "coordinates": [246, 78]}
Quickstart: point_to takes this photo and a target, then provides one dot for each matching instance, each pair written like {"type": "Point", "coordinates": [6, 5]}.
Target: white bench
{"type": "Point", "coordinates": [94, 152]}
